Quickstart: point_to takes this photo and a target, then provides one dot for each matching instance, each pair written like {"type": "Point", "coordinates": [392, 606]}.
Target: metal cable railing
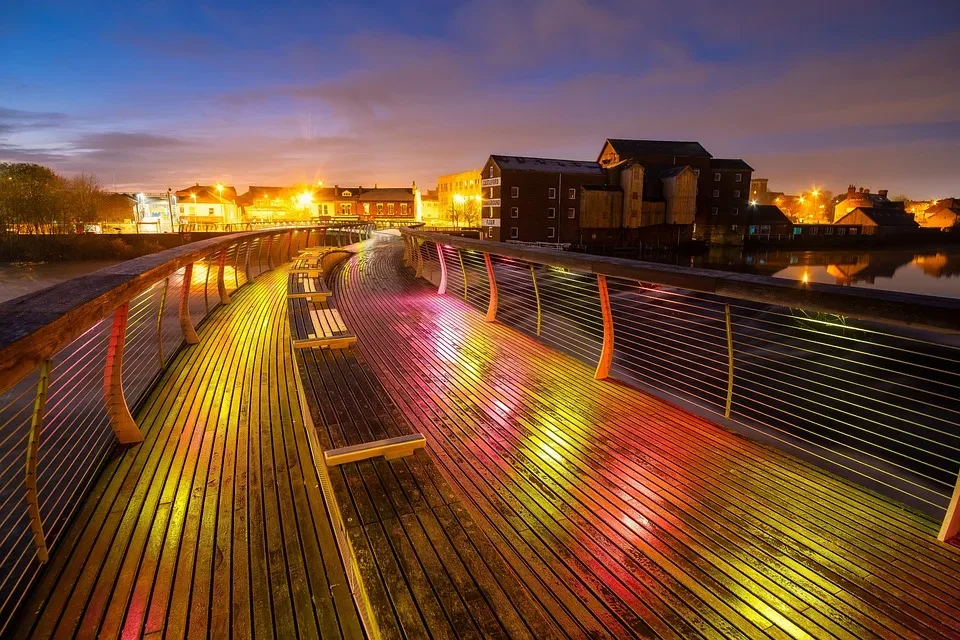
{"type": "Point", "coordinates": [854, 393]}
{"type": "Point", "coordinates": [67, 390]}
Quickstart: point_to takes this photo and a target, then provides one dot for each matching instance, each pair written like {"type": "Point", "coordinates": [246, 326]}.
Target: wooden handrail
{"type": "Point", "coordinates": [36, 326]}
{"type": "Point", "coordinates": [906, 309]}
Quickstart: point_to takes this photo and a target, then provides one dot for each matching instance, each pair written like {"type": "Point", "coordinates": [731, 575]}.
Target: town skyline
{"type": "Point", "coordinates": [388, 95]}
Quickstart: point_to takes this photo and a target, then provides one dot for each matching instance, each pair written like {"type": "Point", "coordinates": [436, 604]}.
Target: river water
{"type": "Point", "coordinates": [928, 272]}
{"type": "Point", "coordinates": [21, 278]}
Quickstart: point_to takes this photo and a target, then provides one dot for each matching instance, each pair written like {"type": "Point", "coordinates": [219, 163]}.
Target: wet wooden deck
{"type": "Point", "coordinates": [216, 524]}
{"type": "Point", "coordinates": [572, 507]}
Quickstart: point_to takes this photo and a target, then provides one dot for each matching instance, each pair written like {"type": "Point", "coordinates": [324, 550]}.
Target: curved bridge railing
{"type": "Point", "coordinates": [78, 358]}
{"type": "Point", "coordinates": [863, 383]}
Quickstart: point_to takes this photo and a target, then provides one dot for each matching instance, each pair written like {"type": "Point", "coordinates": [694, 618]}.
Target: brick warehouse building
{"type": "Point", "coordinates": [720, 203]}
{"type": "Point", "coordinates": [583, 204]}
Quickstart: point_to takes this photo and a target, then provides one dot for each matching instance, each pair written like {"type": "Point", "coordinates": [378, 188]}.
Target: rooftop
{"type": "Point", "coordinates": [685, 149]}
{"type": "Point", "coordinates": [730, 163]}
{"type": "Point", "coordinates": [527, 163]}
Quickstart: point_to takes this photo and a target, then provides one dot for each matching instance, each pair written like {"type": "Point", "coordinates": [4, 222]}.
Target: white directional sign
{"type": "Point", "coordinates": [494, 202]}
{"type": "Point", "coordinates": [491, 222]}
{"type": "Point", "coordinates": [490, 182]}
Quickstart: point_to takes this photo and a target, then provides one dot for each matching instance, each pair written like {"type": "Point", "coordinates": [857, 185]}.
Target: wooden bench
{"type": "Point", "coordinates": [308, 287]}
{"type": "Point", "coordinates": [328, 330]}
{"type": "Point", "coordinates": [390, 449]}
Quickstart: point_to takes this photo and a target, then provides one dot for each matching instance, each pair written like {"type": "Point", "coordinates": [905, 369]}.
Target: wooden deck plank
{"type": "Point", "coordinates": [603, 484]}
{"type": "Point", "coordinates": [180, 535]}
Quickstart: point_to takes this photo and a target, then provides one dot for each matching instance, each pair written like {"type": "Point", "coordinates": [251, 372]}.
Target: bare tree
{"type": "Point", "coordinates": [82, 199]}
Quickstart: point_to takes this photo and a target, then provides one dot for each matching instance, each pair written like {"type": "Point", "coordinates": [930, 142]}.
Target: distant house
{"type": "Point", "coordinates": [766, 221]}
{"type": "Point", "coordinates": [879, 221]}
{"type": "Point", "coordinates": [275, 204]}
{"type": "Point", "coordinates": [359, 203]}
{"type": "Point", "coordinates": [205, 204]}
{"type": "Point", "coordinates": [862, 198]}
{"type": "Point", "coordinates": [942, 215]}
{"type": "Point", "coordinates": [430, 207]}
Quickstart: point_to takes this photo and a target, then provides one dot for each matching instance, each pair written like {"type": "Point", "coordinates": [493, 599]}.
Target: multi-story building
{"type": "Point", "coordinates": [456, 192]}
{"type": "Point", "coordinates": [581, 203]}
{"type": "Point", "coordinates": [727, 195]}
{"type": "Point", "coordinates": [862, 199]}
{"type": "Point", "coordinates": [395, 205]}
{"type": "Point", "coordinates": [205, 204]}
{"type": "Point", "coordinates": [727, 200]}
{"type": "Point", "coordinates": [535, 199]}
{"type": "Point", "coordinates": [430, 208]}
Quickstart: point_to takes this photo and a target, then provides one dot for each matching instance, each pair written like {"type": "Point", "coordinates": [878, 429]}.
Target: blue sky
{"type": "Point", "coordinates": [164, 94]}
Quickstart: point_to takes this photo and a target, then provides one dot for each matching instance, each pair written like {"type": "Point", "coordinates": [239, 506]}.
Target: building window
{"type": "Point", "coordinates": [514, 232]}
{"type": "Point", "coordinates": [736, 211]}
{"type": "Point", "coordinates": [796, 231]}
{"type": "Point", "coordinates": [390, 209]}
{"type": "Point", "coordinates": [696, 172]}
{"type": "Point", "coordinates": [716, 193]}
{"type": "Point", "coordinates": [514, 192]}
{"type": "Point", "coordinates": [210, 210]}
{"type": "Point", "coordinates": [572, 194]}
{"type": "Point", "coordinates": [551, 194]}
{"type": "Point", "coordinates": [551, 232]}
{"type": "Point", "coordinates": [828, 231]}
{"type": "Point", "coordinates": [716, 177]}
{"type": "Point", "coordinates": [551, 213]}
{"type": "Point", "coordinates": [366, 208]}
{"type": "Point", "coordinates": [403, 208]}
{"type": "Point", "coordinates": [713, 211]}
{"type": "Point", "coordinates": [491, 172]}
{"type": "Point", "coordinates": [379, 208]}
{"type": "Point", "coordinates": [739, 177]}
{"type": "Point", "coordinates": [841, 231]}
{"type": "Point", "coordinates": [853, 231]}
{"type": "Point", "coordinates": [514, 212]}
{"type": "Point", "coordinates": [571, 213]}
{"type": "Point", "coordinates": [736, 193]}
{"type": "Point", "coordinates": [181, 210]}
{"type": "Point", "coordinates": [814, 231]}
{"type": "Point", "coordinates": [733, 227]}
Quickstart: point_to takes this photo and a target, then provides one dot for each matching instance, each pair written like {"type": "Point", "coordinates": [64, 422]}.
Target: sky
{"type": "Point", "coordinates": [151, 95]}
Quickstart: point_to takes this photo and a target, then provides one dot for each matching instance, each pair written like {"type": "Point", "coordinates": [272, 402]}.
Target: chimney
{"type": "Point", "coordinates": [866, 191]}
{"type": "Point", "coordinates": [882, 193]}
{"type": "Point", "coordinates": [851, 190]}
{"type": "Point", "coordinates": [861, 190]}
{"type": "Point", "coordinates": [336, 186]}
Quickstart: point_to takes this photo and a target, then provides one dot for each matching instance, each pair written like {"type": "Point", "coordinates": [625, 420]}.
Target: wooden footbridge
{"type": "Point", "coordinates": [347, 433]}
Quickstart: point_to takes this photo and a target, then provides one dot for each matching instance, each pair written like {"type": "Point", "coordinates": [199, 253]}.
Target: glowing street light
{"type": "Point", "coordinates": [753, 203]}
{"type": "Point", "coordinates": [304, 199]}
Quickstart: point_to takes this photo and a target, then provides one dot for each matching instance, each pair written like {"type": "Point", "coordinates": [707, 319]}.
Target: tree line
{"type": "Point", "coordinates": [36, 199]}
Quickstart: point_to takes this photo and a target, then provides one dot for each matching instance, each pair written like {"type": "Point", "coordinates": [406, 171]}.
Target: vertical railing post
{"type": "Point", "coordinates": [464, 272]}
{"type": "Point", "coordinates": [730, 363]}
{"type": "Point", "coordinates": [33, 450]}
{"type": "Point", "coordinates": [606, 352]}
{"type": "Point", "coordinates": [221, 285]}
{"type": "Point", "coordinates": [323, 237]}
{"type": "Point", "coordinates": [186, 322]}
{"type": "Point", "coordinates": [246, 263]}
{"type": "Point", "coordinates": [442, 289]}
{"type": "Point", "coordinates": [419, 256]}
{"type": "Point", "coordinates": [124, 427]}
{"type": "Point", "coordinates": [270, 253]}
{"type": "Point", "coordinates": [206, 283]}
{"type": "Point", "coordinates": [406, 249]}
{"type": "Point", "coordinates": [163, 304]}
{"type": "Point", "coordinates": [289, 246]}
{"type": "Point", "coordinates": [536, 294]}
{"type": "Point", "coordinates": [236, 259]}
{"type": "Point", "coordinates": [492, 305]}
